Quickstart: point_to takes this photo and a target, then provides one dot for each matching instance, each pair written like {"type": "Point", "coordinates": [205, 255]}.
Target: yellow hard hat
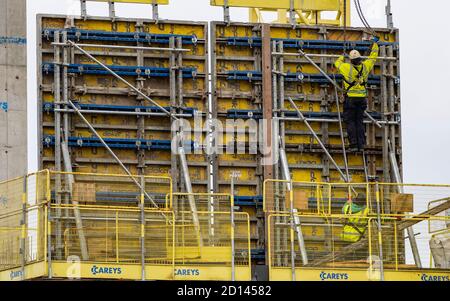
{"type": "Point", "coordinates": [354, 54]}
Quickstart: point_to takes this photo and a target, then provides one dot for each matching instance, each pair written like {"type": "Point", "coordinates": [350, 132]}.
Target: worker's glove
{"type": "Point", "coordinates": [375, 39]}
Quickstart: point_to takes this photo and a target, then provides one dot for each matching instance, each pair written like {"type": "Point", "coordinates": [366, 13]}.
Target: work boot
{"type": "Point", "coordinates": [353, 148]}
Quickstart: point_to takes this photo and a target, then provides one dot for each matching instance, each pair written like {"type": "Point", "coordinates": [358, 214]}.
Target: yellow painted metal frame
{"type": "Point", "coordinates": [173, 270]}
{"type": "Point", "coordinates": [349, 274]}
{"type": "Point", "coordinates": [308, 12]}
{"type": "Point", "coordinates": [368, 187]}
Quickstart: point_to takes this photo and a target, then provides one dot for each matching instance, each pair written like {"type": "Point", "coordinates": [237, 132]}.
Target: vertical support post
{"type": "Point", "coordinates": [292, 220]}
{"type": "Point", "coordinates": [23, 236]}
{"type": "Point", "coordinates": [276, 169]}
{"type": "Point", "coordinates": [267, 96]}
{"type": "Point", "coordinates": [391, 99]}
{"type": "Point", "coordinates": [384, 110]}
{"type": "Point", "coordinates": [83, 9]}
{"type": "Point", "coordinates": [65, 88]}
{"type": "Point", "coordinates": [233, 228]}
{"type": "Point", "coordinates": [49, 241]}
{"type": "Point", "coordinates": [213, 136]}
{"type": "Point", "coordinates": [142, 218]}
{"type": "Point", "coordinates": [155, 11]}
{"type": "Point", "coordinates": [292, 13]}
{"type": "Point", "coordinates": [112, 10]}
{"type": "Point", "coordinates": [140, 119]}
{"type": "Point", "coordinates": [174, 171]}
{"type": "Point", "coordinates": [380, 239]}
{"type": "Point", "coordinates": [267, 106]}
{"type": "Point", "coordinates": [117, 237]}
{"type": "Point", "coordinates": [226, 12]}
{"type": "Point", "coordinates": [179, 45]}
{"type": "Point", "coordinates": [65, 130]}
{"type": "Point", "coordinates": [325, 107]}
{"type": "Point", "coordinates": [57, 100]}
{"type": "Point", "coordinates": [396, 245]}
{"type": "Point", "coordinates": [389, 16]}
{"type": "Point", "coordinates": [282, 96]}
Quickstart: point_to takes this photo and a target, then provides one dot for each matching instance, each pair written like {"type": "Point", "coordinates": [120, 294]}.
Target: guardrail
{"type": "Point", "coordinates": [329, 198]}
{"type": "Point", "coordinates": [105, 220]}
{"type": "Point", "coordinates": [329, 249]}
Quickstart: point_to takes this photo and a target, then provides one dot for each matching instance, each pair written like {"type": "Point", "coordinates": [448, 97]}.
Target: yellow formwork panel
{"type": "Point", "coordinates": [105, 90]}
{"type": "Point", "coordinates": [308, 96]}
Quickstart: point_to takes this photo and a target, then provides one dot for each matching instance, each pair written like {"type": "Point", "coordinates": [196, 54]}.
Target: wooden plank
{"type": "Point", "coordinates": [402, 202]}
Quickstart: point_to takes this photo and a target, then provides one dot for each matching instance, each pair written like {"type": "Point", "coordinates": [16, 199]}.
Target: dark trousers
{"type": "Point", "coordinates": [354, 108]}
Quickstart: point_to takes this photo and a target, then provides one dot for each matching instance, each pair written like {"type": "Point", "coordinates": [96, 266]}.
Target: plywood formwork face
{"type": "Point", "coordinates": [176, 80]}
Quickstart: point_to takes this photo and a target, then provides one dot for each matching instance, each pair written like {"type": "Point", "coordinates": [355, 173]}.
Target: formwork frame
{"type": "Point", "coordinates": [175, 94]}
{"type": "Point", "coordinates": [260, 96]}
{"type": "Point", "coordinates": [387, 125]}
{"type": "Point", "coordinates": [65, 84]}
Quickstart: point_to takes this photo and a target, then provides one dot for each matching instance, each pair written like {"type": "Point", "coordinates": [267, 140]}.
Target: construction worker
{"type": "Point", "coordinates": [355, 77]}
{"type": "Point", "coordinates": [355, 226]}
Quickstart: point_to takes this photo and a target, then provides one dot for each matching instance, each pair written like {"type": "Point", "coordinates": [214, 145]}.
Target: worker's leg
{"type": "Point", "coordinates": [349, 119]}
{"type": "Point", "coordinates": [360, 108]}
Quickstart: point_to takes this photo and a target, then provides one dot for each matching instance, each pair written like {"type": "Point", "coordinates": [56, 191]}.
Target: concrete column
{"type": "Point", "coordinates": [13, 89]}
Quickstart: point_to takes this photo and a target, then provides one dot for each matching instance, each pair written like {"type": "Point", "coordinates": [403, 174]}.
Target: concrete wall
{"type": "Point", "coordinates": [13, 87]}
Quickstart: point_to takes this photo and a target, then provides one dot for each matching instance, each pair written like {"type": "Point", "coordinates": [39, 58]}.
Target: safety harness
{"type": "Point", "coordinates": [353, 225]}
{"type": "Point", "coordinates": [358, 77]}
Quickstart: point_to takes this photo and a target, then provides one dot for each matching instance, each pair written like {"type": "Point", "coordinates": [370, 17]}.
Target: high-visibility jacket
{"type": "Point", "coordinates": [356, 226]}
{"type": "Point", "coordinates": [355, 78]}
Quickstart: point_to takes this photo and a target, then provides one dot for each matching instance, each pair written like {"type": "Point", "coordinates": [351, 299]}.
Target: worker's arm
{"type": "Point", "coordinates": [354, 208]}
{"type": "Point", "coordinates": [370, 62]}
{"type": "Point", "coordinates": [339, 62]}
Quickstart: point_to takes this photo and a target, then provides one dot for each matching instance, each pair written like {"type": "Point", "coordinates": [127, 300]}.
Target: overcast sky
{"type": "Point", "coordinates": [424, 73]}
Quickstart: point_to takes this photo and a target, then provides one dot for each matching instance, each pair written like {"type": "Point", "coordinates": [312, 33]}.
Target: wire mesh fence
{"type": "Point", "coordinates": [330, 198]}
{"type": "Point", "coordinates": [22, 219]}
{"type": "Point", "coordinates": [349, 241]}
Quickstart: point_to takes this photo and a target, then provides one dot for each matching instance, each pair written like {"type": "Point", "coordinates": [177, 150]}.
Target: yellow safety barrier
{"type": "Point", "coordinates": [329, 198]}
{"type": "Point", "coordinates": [107, 228]}
{"type": "Point", "coordinates": [310, 237]}
{"type": "Point", "coordinates": [22, 220]}
{"type": "Point", "coordinates": [330, 257]}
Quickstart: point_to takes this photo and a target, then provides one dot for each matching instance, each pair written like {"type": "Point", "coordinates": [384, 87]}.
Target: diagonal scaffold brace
{"type": "Point", "coordinates": [111, 152]}
{"type": "Point", "coordinates": [303, 118]}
